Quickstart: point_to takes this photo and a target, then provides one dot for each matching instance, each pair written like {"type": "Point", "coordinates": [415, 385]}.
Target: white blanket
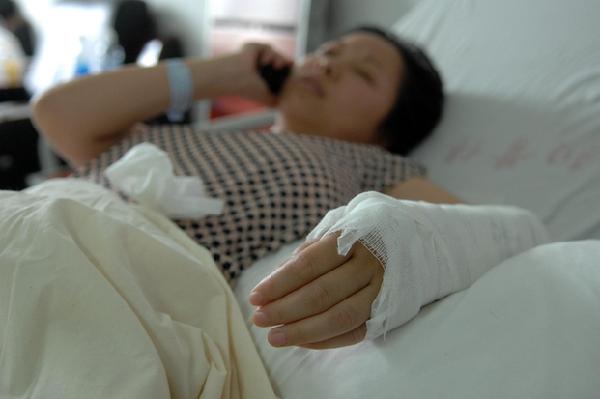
{"type": "Point", "coordinates": [529, 328]}
{"type": "Point", "coordinates": [102, 300]}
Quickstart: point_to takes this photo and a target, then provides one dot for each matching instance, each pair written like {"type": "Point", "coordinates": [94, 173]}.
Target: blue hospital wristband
{"type": "Point", "coordinates": [181, 89]}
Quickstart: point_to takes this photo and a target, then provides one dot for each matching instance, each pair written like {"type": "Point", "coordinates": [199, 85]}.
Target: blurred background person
{"type": "Point", "coordinates": [135, 25]}
{"type": "Point", "coordinates": [13, 21]}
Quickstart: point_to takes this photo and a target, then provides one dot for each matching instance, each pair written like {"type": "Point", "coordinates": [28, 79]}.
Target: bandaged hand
{"type": "Point", "coordinates": [428, 250]}
{"type": "Point", "coordinates": [319, 299]}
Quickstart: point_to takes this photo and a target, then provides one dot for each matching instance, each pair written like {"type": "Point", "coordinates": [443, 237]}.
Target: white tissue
{"type": "Point", "coordinates": [145, 174]}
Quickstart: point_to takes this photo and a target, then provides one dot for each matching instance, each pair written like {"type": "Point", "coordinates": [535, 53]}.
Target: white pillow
{"type": "Point", "coordinates": [522, 123]}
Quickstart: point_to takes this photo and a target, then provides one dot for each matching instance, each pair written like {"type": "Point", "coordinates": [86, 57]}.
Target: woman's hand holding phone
{"type": "Point", "coordinates": [260, 72]}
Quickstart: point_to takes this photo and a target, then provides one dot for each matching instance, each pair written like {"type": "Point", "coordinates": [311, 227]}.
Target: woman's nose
{"type": "Point", "coordinates": [324, 66]}
{"type": "Point", "coordinates": [331, 67]}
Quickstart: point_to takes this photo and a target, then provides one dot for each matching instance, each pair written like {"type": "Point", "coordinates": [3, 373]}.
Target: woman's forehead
{"type": "Point", "coordinates": [367, 41]}
{"type": "Point", "coordinates": [369, 44]}
{"type": "Point", "coordinates": [376, 48]}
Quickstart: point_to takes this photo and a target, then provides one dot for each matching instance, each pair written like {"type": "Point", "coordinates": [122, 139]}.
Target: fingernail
{"type": "Point", "coordinates": [260, 317]}
{"type": "Point", "coordinates": [256, 298]}
{"type": "Point", "coordinates": [277, 338]}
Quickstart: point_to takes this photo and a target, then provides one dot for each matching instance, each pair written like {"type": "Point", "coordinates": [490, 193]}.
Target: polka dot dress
{"type": "Point", "coordinates": [275, 186]}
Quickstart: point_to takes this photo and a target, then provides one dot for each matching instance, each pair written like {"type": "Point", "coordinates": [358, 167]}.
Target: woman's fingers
{"type": "Point", "coordinates": [263, 54]}
{"type": "Point", "coordinates": [317, 296]}
{"type": "Point", "coordinates": [319, 299]}
{"type": "Point", "coordinates": [247, 82]}
{"type": "Point", "coordinates": [303, 245]}
{"type": "Point", "coordinates": [340, 319]}
{"type": "Point", "coordinates": [266, 57]}
{"type": "Point", "coordinates": [269, 56]}
{"type": "Point", "coordinates": [350, 338]}
{"type": "Point", "coordinates": [304, 267]}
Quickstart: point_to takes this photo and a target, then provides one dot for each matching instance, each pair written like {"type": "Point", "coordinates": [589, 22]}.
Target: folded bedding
{"type": "Point", "coordinates": [100, 299]}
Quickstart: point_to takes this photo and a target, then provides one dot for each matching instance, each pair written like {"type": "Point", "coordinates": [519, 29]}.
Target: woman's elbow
{"type": "Point", "coordinates": [46, 117]}
{"type": "Point", "coordinates": [53, 122]}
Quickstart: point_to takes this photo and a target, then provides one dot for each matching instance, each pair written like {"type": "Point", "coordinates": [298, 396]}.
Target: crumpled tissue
{"type": "Point", "coordinates": [145, 174]}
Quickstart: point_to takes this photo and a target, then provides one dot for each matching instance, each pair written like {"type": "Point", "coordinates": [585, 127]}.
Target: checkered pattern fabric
{"type": "Point", "coordinates": [276, 186]}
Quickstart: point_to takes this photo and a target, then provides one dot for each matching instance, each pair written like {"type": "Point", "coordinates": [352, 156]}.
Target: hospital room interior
{"type": "Point", "coordinates": [299, 199]}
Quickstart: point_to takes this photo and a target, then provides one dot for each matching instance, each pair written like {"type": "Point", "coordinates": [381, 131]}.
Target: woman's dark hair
{"type": "Point", "coordinates": [7, 8]}
{"type": "Point", "coordinates": [420, 100]}
{"type": "Point", "coordinates": [135, 25]}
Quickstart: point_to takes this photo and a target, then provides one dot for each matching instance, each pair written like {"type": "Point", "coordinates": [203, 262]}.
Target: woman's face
{"type": "Point", "coordinates": [343, 90]}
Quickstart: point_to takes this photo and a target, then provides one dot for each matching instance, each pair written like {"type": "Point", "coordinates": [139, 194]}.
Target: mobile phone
{"type": "Point", "coordinates": [275, 78]}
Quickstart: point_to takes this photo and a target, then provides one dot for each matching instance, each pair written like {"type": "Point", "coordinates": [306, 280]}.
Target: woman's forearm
{"type": "Point", "coordinates": [421, 189]}
{"type": "Point", "coordinates": [82, 118]}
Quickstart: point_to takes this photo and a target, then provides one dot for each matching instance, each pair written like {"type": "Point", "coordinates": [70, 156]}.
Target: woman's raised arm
{"type": "Point", "coordinates": [82, 118]}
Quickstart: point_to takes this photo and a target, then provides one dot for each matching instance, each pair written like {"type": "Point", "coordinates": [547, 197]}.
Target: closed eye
{"type": "Point", "coordinates": [366, 76]}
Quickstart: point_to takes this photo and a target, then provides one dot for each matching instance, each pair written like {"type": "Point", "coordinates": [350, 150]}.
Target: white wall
{"type": "Point", "coordinates": [184, 18]}
{"type": "Point", "coordinates": [189, 17]}
{"type": "Point", "coordinates": [345, 14]}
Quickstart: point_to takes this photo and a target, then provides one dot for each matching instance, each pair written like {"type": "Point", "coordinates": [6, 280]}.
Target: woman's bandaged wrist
{"type": "Point", "coordinates": [428, 250]}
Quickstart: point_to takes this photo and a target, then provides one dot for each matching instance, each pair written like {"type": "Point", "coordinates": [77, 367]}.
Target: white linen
{"type": "Point", "coordinates": [529, 328]}
{"type": "Point", "coordinates": [99, 299]}
{"type": "Point", "coordinates": [522, 123]}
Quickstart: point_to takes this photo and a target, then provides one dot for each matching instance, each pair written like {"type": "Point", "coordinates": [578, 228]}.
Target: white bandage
{"type": "Point", "coordinates": [428, 250]}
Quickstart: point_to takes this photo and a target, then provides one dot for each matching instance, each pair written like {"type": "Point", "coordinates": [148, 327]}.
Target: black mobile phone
{"type": "Point", "coordinates": [275, 78]}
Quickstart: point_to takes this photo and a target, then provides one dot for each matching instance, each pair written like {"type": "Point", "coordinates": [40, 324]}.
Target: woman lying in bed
{"type": "Point", "coordinates": [343, 113]}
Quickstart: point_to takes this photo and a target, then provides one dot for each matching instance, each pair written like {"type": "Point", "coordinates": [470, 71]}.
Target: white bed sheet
{"type": "Point", "coordinates": [529, 328]}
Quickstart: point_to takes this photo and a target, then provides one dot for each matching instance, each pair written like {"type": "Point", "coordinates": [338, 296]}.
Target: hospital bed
{"type": "Point", "coordinates": [522, 127]}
